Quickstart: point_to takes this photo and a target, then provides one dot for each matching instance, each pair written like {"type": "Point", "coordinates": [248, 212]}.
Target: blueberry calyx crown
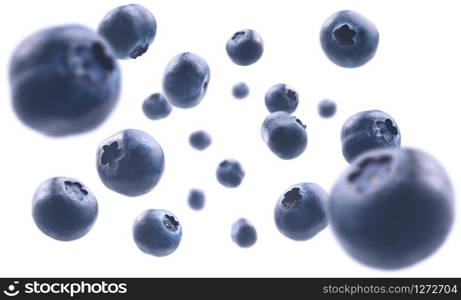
{"type": "Point", "coordinates": [138, 51]}
{"type": "Point", "coordinates": [110, 153]}
{"type": "Point", "coordinates": [386, 129]}
{"type": "Point", "coordinates": [291, 197]}
{"type": "Point", "coordinates": [238, 35]}
{"type": "Point", "coordinates": [370, 173]}
{"type": "Point", "coordinates": [345, 35]}
{"type": "Point", "coordinates": [170, 222]}
{"type": "Point", "coordinates": [75, 189]}
{"type": "Point", "coordinates": [90, 62]}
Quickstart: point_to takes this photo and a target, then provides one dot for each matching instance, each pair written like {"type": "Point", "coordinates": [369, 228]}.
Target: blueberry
{"type": "Point", "coordinates": [284, 134]}
{"type": "Point", "coordinates": [230, 173]}
{"type": "Point", "coordinates": [196, 199]}
{"type": "Point", "coordinates": [64, 80]}
{"type": "Point", "coordinates": [64, 208]}
{"type": "Point", "coordinates": [349, 39]}
{"type": "Point", "coordinates": [327, 108]}
{"type": "Point", "coordinates": [244, 233]}
{"type": "Point", "coordinates": [186, 79]}
{"type": "Point", "coordinates": [156, 107]}
{"type": "Point", "coordinates": [300, 212]}
{"type": "Point", "coordinates": [245, 47]}
{"type": "Point", "coordinates": [392, 208]}
{"type": "Point", "coordinates": [130, 162]}
{"type": "Point", "coordinates": [368, 130]}
{"type": "Point", "coordinates": [157, 232]}
{"type": "Point", "coordinates": [281, 97]}
{"type": "Point", "coordinates": [200, 140]}
{"type": "Point", "coordinates": [129, 29]}
{"type": "Point", "coordinates": [240, 90]}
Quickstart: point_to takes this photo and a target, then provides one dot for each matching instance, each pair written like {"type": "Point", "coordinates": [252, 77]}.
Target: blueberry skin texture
{"type": "Point", "coordinates": [157, 232]}
{"type": "Point", "coordinates": [64, 80]}
{"type": "Point", "coordinates": [200, 140]}
{"type": "Point", "coordinates": [130, 162]}
{"type": "Point", "coordinates": [368, 130]}
{"type": "Point", "coordinates": [156, 107]}
{"type": "Point", "coordinates": [300, 213]}
{"type": "Point", "coordinates": [284, 134]}
{"type": "Point", "coordinates": [129, 29]}
{"type": "Point", "coordinates": [327, 108]}
{"type": "Point", "coordinates": [281, 97]}
{"type": "Point", "coordinates": [392, 208]}
{"type": "Point", "coordinates": [185, 80]}
{"type": "Point", "coordinates": [244, 233]}
{"type": "Point", "coordinates": [245, 47]}
{"type": "Point", "coordinates": [230, 173]}
{"type": "Point", "coordinates": [196, 199]}
{"type": "Point", "coordinates": [64, 208]}
{"type": "Point", "coordinates": [240, 90]}
{"type": "Point", "coordinates": [349, 39]}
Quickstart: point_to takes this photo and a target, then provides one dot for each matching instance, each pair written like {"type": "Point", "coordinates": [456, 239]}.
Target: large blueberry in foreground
{"type": "Point", "coordinates": [368, 130]}
{"type": "Point", "coordinates": [64, 80]}
{"type": "Point", "coordinates": [243, 233]}
{"type": "Point", "coordinates": [281, 97]}
{"type": "Point", "coordinates": [129, 29]}
{"type": "Point", "coordinates": [327, 108]}
{"type": "Point", "coordinates": [185, 80]}
{"type": "Point", "coordinates": [130, 162]}
{"type": "Point", "coordinates": [200, 140]}
{"type": "Point", "coordinates": [230, 173]}
{"type": "Point", "coordinates": [300, 212]}
{"type": "Point", "coordinates": [196, 199]}
{"type": "Point", "coordinates": [240, 90]}
{"type": "Point", "coordinates": [284, 134]}
{"type": "Point", "coordinates": [64, 208]}
{"type": "Point", "coordinates": [349, 39]}
{"type": "Point", "coordinates": [157, 232]}
{"type": "Point", "coordinates": [392, 208]}
{"type": "Point", "coordinates": [245, 47]}
{"type": "Point", "coordinates": [156, 107]}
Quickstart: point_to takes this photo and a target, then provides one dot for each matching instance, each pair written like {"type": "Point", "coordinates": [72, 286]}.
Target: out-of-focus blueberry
{"type": "Point", "coordinates": [240, 90]}
{"type": "Point", "coordinates": [327, 108]}
{"type": "Point", "coordinates": [230, 173]}
{"type": "Point", "coordinates": [245, 47]}
{"type": "Point", "coordinates": [196, 199]}
{"type": "Point", "coordinates": [281, 97]}
{"type": "Point", "coordinates": [244, 233]}
{"type": "Point", "coordinates": [64, 80]}
{"type": "Point", "coordinates": [200, 140]}
{"type": "Point", "coordinates": [129, 29]}
{"type": "Point", "coordinates": [156, 107]}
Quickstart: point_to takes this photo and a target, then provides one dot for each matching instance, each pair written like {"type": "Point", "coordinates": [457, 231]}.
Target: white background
{"type": "Point", "coordinates": [415, 77]}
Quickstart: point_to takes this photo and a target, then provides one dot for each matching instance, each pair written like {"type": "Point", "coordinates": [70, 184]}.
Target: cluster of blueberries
{"type": "Point", "coordinates": [391, 208]}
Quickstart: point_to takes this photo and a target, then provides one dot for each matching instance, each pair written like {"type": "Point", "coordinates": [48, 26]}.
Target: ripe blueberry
{"type": "Point", "coordinates": [185, 80]}
{"type": "Point", "coordinates": [349, 39]}
{"type": "Point", "coordinates": [284, 134]}
{"type": "Point", "coordinates": [243, 233]}
{"type": "Point", "coordinates": [327, 108]}
{"type": "Point", "coordinates": [64, 80]}
{"type": "Point", "coordinates": [64, 208]}
{"type": "Point", "coordinates": [200, 140]}
{"type": "Point", "coordinates": [281, 97]}
{"type": "Point", "coordinates": [300, 212]}
{"type": "Point", "coordinates": [157, 232]}
{"type": "Point", "coordinates": [196, 199]}
{"type": "Point", "coordinates": [130, 162]}
{"type": "Point", "coordinates": [368, 130]}
{"type": "Point", "coordinates": [240, 90]}
{"type": "Point", "coordinates": [392, 208]}
{"type": "Point", "coordinates": [230, 173]}
{"type": "Point", "coordinates": [156, 107]}
{"type": "Point", "coordinates": [129, 29]}
{"type": "Point", "coordinates": [245, 47]}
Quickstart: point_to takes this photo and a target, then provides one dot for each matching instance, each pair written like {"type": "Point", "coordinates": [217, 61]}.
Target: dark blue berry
{"type": "Point", "coordinates": [349, 39]}
{"type": "Point", "coordinates": [129, 29]}
{"type": "Point", "coordinates": [392, 208]}
{"type": "Point", "coordinates": [230, 173]}
{"type": "Point", "coordinates": [284, 134]}
{"type": "Point", "coordinates": [196, 199]}
{"type": "Point", "coordinates": [245, 47]}
{"type": "Point", "coordinates": [64, 80]}
{"type": "Point", "coordinates": [368, 130]}
{"type": "Point", "coordinates": [186, 79]}
{"type": "Point", "coordinates": [64, 208]}
{"type": "Point", "coordinates": [300, 212]}
{"type": "Point", "coordinates": [281, 97]}
{"type": "Point", "coordinates": [327, 108]}
{"type": "Point", "coordinates": [244, 233]}
{"type": "Point", "coordinates": [156, 107]}
{"type": "Point", "coordinates": [240, 90]}
{"type": "Point", "coordinates": [130, 162]}
{"type": "Point", "coordinates": [200, 140]}
{"type": "Point", "coordinates": [157, 232]}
